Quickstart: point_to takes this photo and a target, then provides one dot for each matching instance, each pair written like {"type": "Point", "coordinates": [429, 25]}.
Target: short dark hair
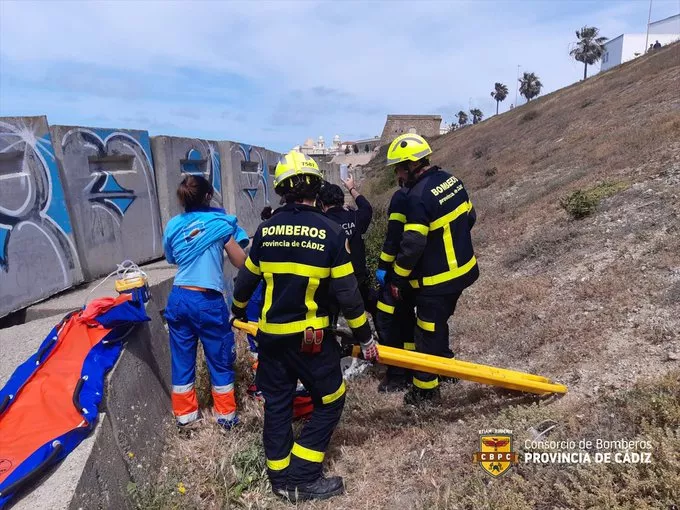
{"type": "Point", "coordinates": [193, 191]}
{"type": "Point", "coordinates": [299, 187]}
{"type": "Point", "coordinates": [266, 213]}
{"type": "Point", "coordinates": [331, 195]}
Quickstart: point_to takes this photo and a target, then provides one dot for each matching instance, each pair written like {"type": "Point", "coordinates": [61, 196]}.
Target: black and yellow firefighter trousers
{"type": "Point", "coordinates": [432, 332]}
{"type": "Point", "coordinates": [281, 364]}
{"type": "Point", "coordinates": [395, 322]}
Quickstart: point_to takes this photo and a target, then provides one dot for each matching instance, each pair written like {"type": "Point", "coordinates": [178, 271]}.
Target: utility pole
{"type": "Point", "coordinates": [517, 84]}
{"type": "Point", "coordinates": [649, 19]}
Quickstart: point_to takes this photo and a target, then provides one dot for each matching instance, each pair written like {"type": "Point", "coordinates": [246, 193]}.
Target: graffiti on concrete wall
{"type": "Point", "coordinates": [111, 187]}
{"type": "Point", "coordinates": [253, 175]}
{"type": "Point", "coordinates": [209, 167]}
{"type": "Point", "coordinates": [37, 253]}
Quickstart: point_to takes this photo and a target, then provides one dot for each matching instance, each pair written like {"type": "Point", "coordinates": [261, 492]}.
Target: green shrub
{"type": "Point", "coordinates": [580, 203]}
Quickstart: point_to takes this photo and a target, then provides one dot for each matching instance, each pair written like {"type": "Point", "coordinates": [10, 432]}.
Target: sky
{"type": "Point", "coordinates": [274, 73]}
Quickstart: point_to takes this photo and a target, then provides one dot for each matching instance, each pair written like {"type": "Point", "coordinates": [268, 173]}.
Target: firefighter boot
{"type": "Point", "coordinates": [423, 398]}
{"type": "Point", "coordinates": [321, 488]}
{"type": "Point", "coordinates": [393, 383]}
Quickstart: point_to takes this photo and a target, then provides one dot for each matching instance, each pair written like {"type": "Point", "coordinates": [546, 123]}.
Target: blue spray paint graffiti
{"type": "Point", "coordinates": [260, 176]}
{"type": "Point", "coordinates": [104, 189]}
{"type": "Point", "coordinates": [44, 206]}
{"type": "Point", "coordinates": [213, 172]}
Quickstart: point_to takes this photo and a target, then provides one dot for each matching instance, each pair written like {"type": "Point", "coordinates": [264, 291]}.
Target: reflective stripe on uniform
{"type": "Point", "coordinates": [307, 453]}
{"type": "Point", "coordinates": [384, 307]}
{"type": "Point", "coordinates": [425, 385]}
{"type": "Point", "coordinates": [358, 322]}
{"type": "Point", "coordinates": [240, 304]}
{"type": "Point", "coordinates": [250, 266]}
{"type": "Point", "coordinates": [224, 401]}
{"type": "Point", "coordinates": [328, 399]}
{"type": "Point", "coordinates": [278, 465]}
{"type": "Point", "coordinates": [449, 218]}
{"type": "Point", "coordinates": [223, 389]}
{"type": "Point", "coordinates": [401, 271]}
{"type": "Point", "coordinates": [424, 325]}
{"type": "Point", "coordinates": [343, 270]}
{"type": "Point", "coordinates": [295, 268]}
{"type": "Point", "coordinates": [312, 306]}
{"type": "Point", "coordinates": [417, 227]}
{"type": "Point", "coordinates": [446, 275]}
{"type": "Point", "coordinates": [183, 388]}
{"type": "Point", "coordinates": [184, 401]}
{"type": "Point", "coordinates": [287, 328]}
{"type": "Point", "coordinates": [386, 257]}
{"type": "Point", "coordinates": [187, 418]}
{"type": "Point", "coordinates": [410, 346]}
{"type": "Point", "coordinates": [401, 218]}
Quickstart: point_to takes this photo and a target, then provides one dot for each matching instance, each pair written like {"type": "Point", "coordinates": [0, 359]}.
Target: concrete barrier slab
{"type": "Point", "coordinates": [111, 190]}
{"type": "Point", "coordinates": [245, 170]}
{"type": "Point", "coordinates": [174, 157]}
{"type": "Point", "coordinates": [38, 257]}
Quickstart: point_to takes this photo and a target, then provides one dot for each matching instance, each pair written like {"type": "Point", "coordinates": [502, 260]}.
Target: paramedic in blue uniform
{"type": "Point", "coordinates": [195, 241]}
{"type": "Point", "coordinates": [303, 257]}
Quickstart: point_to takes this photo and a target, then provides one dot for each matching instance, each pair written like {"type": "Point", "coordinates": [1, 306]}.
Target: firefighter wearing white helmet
{"type": "Point", "coordinates": [436, 258]}
{"type": "Point", "coordinates": [303, 258]}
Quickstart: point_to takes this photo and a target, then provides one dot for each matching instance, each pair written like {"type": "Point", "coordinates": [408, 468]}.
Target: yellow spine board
{"type": "Point", "coordinates": [484, 374]}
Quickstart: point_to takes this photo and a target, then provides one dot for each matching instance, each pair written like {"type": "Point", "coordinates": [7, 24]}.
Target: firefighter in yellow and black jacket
{"type": "Point", "coordinates": [436, 256]}
{"type": "Point", "coordinates": [303, 257]}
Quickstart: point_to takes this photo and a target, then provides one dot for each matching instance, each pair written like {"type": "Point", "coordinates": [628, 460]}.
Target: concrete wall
{"type": "Point", "coordinates": [245, 171]}
{"type": "Point", "coordinates": [174, 157]}
{"type": "Point", "coordinates": [670, 25]}
{"type": "Point", "coordinates": [38, 256]}
{"type": "Point", "coordinates": [111, 192]}
{"type": "Point", "coordinates": [613, 54]}
{"type": "Point", "coordinates": [76, 201]}
{"type": "Point", "coordinates": [424, 125]}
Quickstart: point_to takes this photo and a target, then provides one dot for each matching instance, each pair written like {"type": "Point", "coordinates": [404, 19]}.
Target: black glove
{"type": "Point", "coordinates": [238, 314]}
{"type": "Point", "coordinates": [397, 285]}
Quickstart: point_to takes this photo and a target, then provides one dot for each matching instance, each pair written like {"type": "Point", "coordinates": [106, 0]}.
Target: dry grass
{"type": "Point", "coordinates": [593, 303]}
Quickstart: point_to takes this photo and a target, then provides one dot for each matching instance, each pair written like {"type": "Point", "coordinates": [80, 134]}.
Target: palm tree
{"type": "Point", "coordinates": [530, 86]}
{"type": "Point", "coordinates": [476, 115]}
{"type": "Point", "coordinates": [499, 94]}
{"type": "Point", "coordinates": [462, 118]}
{"type": "Point", "coordinates": [589, 48]}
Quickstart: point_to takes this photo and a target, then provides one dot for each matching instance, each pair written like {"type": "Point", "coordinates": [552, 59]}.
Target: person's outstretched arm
{"type": "Point", "coordinates": [236, 255]}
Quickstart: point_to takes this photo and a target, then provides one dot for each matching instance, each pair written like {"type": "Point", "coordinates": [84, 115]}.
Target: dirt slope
{"type": "Point", "coordinates": [593, 303]}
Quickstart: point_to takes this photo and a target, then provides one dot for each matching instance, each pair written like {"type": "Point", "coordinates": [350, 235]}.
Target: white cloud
{"type": "Point", "coordinates": [372, 58]}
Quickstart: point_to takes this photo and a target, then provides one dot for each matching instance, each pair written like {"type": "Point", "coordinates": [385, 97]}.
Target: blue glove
{"type": "Point", "coordinates": [380, 276]}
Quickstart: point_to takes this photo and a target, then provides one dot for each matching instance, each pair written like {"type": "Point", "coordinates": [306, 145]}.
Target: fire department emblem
{"type": "Point", "coordinates": [495, 456]}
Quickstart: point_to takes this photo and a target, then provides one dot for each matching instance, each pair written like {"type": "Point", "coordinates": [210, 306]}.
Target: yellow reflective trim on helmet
{"type": "Point", "coordinates": [329, 399]}
{"type": "Point", "coordinates": [250, 266]}
{"type": "Point", "coordinates": [358, 322]}
{"type": "Point", "coordinates": [307, 453]}
{"type": "Point", "coordinates": [417, 227]}
{"type": "Point", "coordinates": [401, 218]}
{"type": "Point", "coordinates": [427, 326]}
{"type": "Point", "coordinates": [239, 304]}
{"type": "Point", "coordinates": [384, 307]}
{"type": "Point", "coordinates": [278, 465]}
{"type": "Point", "coordinates": [343, 270]}
{"type": "Point", "coordinates": [295, 163]}
{"type": "Point", "coordinates": [386, 257]}
{"type": "Point", "coordinates": [295, 268]}
{"type": "Point", "coordinates": [425, 385]}
{"type": "Point", "coordinates": [401, 271]}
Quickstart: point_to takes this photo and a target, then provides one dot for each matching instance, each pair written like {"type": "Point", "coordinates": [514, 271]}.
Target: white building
{"type": "Point", "coordinates": [629, 46]}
